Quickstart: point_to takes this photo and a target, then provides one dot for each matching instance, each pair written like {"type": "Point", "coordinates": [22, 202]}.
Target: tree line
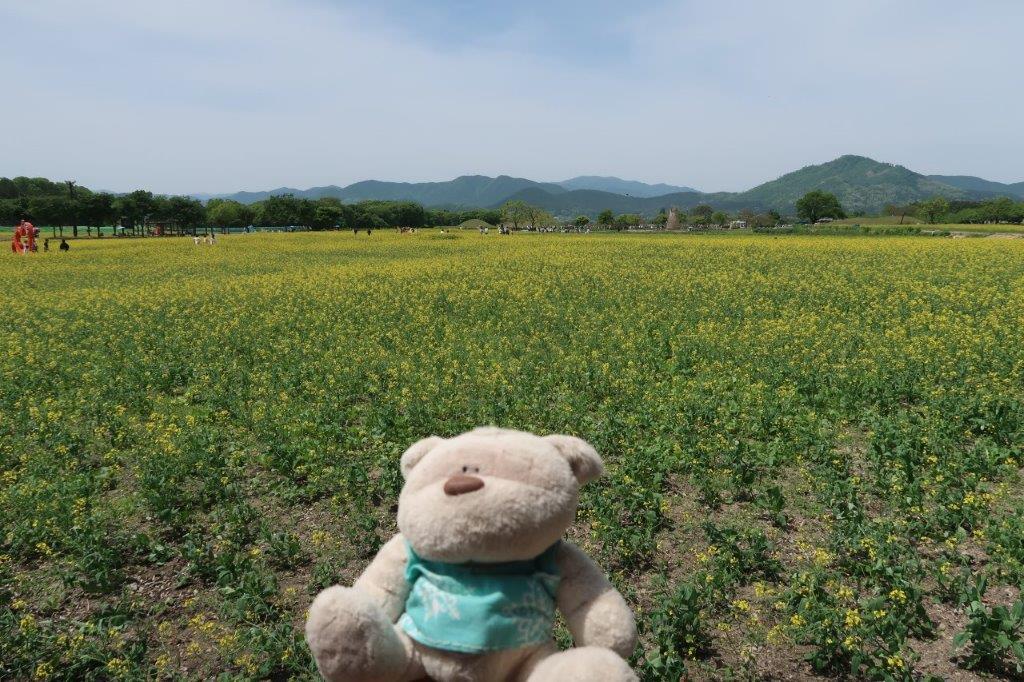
{"type": "Point", "coordinates": [61, 204]}
{"type": "Point", "coordinates": [812, 207]}
{"type": "Point", "coordinates": [44, 202]}
{"type": "Point", "coordinates": [329, 213]}
{"type": "Point", "coordinates": [942, 210]}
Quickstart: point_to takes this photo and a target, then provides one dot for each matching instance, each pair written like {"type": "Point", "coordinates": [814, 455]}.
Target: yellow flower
{"type": "Point", "coordinates": [117, 667]}
{"type": "Point", "coordinates": [894, 662]}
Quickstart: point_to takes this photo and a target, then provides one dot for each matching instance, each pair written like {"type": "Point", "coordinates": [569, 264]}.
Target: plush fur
{"type": "Point", "coordinates": [527, 500]}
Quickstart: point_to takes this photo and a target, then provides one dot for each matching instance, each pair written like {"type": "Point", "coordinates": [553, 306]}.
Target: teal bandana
{"type": "Point", "coordinates": [475, 607]}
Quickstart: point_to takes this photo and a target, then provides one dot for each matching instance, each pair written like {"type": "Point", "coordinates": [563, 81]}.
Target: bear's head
{"type": "Point", "coordinates": [492, 495]}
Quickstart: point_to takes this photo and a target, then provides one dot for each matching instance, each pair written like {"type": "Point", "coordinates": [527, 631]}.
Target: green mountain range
{"type": "Point", "coordinates": [973, 184]}
{"type": "Point", "coordinates": [620, 186]}
{"type": "Point", "coordinates": [467, 190]}
{"type": "Point", "coordinates": [862, 184]}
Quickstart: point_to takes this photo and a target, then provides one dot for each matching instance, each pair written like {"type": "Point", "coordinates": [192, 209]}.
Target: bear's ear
{"type": "Point", "coordinates": [583, 459]}
{"type": "Point", "coordinates": [418, 451]}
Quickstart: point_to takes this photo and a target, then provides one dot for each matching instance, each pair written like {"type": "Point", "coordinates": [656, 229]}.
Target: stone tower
{"type": "Point", "coordinates": [673, 219]}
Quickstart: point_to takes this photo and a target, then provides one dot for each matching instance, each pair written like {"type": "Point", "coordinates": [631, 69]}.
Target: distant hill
{"type": "Point", "coordinates": [973, 184]}
{"type": "Point", "coordinates": [253, 197]}
{"type": "Point", "coordinates": [468, 190]}
{"type": "Point", "coordinates": [475, 224]}
{"type": "Point", "coordinates": [862, 184]}
{"type": "Point", "coordinates": [591, 202]}
{"type": "Point", "coordinates": [619, 186]}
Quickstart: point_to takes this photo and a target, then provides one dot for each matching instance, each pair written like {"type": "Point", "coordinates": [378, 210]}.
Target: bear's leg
{"type": "Point", "coordinates": [352, 640]}
{"type": "Point", "coordinates": [583, 664]}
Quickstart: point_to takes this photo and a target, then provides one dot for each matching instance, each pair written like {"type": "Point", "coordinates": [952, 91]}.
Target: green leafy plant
{"type": "Point", "coordinates": [995, 634]}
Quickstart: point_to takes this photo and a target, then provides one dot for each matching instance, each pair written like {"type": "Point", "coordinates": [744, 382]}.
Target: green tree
{"type": "Point", "coordinates": [51, 210]}
{"type": "Point", "coordinates": [934, 209]}
{"type": "Point", "coordinates": [280, 211]}
{"type": "Point", "coordinates": [365, 219]}
{"type": "Point", "coordinates": [490, 215]}
{"type": "Point", "coordinates": [185, 211]}
{"type": "Point", "coordinates": [901, 210]}
{"type": "Point", "coordinates": [439, 217]}
{"type": "Point", "coordinates": [8, 190]}
{"type": "Point", "coordinates": [97, 209]}
{"type": "Point", "coordinates": [582, 221]}
{"type": "Point", "coordinates": [1001, 210]}
{"type": "Point", "coordinates": [328, 216]}
{"type": "Point", "coordinates": [606, 217]}
{"type": "Point", "coordinates": [719, 218]}
{"type": "Point", "coordinates": [627, 220]}
{"type": "Point", "coordinates": [817, 204]}
{"type": "Point", "coordinates": [397, 213]}
{"type": "Point", "coordinates": [516, 212]}
{"type": "Point", "coordinates": [701, 214]}
{"type": "Point", "coordinates": [228, 213]}
{"type": "Point", "coordinates": [12, 211]}
{"type": "Point", "coordinates": [135, 207]}
{"type": "Point", "coordinates": [538, 218]}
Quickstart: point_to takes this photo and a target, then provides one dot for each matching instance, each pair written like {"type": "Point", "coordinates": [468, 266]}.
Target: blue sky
{"type": "Point", "coordinates": [220, 95]}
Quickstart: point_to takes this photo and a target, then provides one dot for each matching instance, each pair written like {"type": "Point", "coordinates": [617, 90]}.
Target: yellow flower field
{"type": "Point", "coordinates": [814, 444]}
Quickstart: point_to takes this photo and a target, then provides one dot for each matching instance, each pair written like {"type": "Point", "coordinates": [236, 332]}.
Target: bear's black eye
{"type": "Point", "coordinates": [465, 469]}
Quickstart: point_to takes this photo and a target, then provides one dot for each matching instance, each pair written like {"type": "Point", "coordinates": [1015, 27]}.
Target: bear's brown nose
{"type": "Point", "coordinates": [460, 485]}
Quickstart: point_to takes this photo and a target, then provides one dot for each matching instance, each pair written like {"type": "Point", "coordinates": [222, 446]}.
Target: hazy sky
{"type": "Point", "coordinates": [221, 95]}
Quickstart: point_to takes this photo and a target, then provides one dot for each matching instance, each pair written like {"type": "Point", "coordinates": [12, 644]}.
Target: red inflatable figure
{"type": "Point", "coordinates": [27, 231]}
{"type": "Point", "coordinates": [16, 245]}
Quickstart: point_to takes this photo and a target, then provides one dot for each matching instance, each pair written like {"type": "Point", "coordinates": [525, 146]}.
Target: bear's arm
{"type": "Point", "coordinates": [384, 579]}
{"type": "Point", "coordinates": [595, 612]}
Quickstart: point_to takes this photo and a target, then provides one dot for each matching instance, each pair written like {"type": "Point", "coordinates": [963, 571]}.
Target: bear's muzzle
{"type": "Point", "coordinates": [460, 485]}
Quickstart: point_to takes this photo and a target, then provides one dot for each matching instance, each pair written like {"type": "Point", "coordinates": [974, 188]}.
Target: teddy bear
{"type": "Point", "coordinates": [468, 588]}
